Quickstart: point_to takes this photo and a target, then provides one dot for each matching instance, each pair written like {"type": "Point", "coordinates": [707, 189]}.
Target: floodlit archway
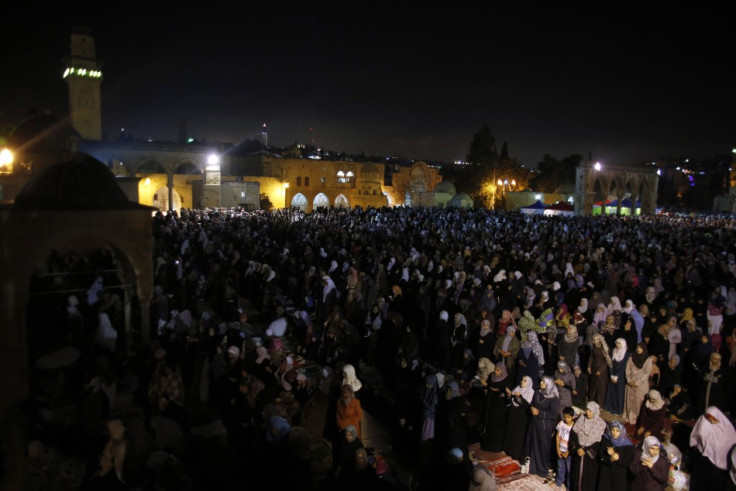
{"type": "Point", "coordinates": [299, 201]}
{"type": "Point", "coordinates": [161, 199]}
{"type": "Point", "coordinates": [342, 202]}
{"type": "Point", "coordinates": [321, 200]}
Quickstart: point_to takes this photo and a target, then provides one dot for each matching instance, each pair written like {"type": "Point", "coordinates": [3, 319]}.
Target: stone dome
{"type": "Point", "coordinates": [445, 187]}
{"type": "Point", "coordinates": [83, 183]}
{"type": "Point", "coordinates": [461, 200]}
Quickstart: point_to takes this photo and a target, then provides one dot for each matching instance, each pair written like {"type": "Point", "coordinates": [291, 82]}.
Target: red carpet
{"type": "Point", "coordinates": [504, 468]}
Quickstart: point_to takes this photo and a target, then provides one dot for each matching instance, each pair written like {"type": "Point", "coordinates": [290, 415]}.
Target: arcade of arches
{"type": "Point", "coordinates": [615, 184]}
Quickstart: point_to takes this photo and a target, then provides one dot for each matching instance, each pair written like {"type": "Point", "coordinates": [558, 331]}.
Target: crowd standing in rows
{"type": "Point", "coordinates": [512, 331]}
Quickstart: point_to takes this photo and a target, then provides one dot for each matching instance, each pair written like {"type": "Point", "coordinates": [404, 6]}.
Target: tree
{"type": "Point", "coordinates": [553, 173]}
{"type": "Point", "coordinates": [483, 148]}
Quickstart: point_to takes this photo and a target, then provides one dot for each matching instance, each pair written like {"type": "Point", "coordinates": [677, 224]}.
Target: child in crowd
{"type": "Point", "coordinates": [564, 427]}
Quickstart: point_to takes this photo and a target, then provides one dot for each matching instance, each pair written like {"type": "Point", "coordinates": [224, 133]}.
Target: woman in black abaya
{"type": "Point", "coordinates": [494, 423]}
{"type": "Point", "coordinates": [517, 420]}
{"type": "Point", "coordinates": [544, 412]}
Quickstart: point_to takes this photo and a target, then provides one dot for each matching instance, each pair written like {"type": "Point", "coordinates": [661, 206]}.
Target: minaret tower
{"type": "Point", "coordinates": [83, 73]}
{"type": "Point", "coordinates": [263, 136]}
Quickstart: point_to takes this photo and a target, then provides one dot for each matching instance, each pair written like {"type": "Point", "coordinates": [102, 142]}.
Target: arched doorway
{"type": "Point", "coordinates": [342, 202]}
{"type": "Point", "coordinates": [299, 201]}
{"type": "Point", "coordinates": [321, 201]}
{"type": "Point", "coordinates": [161, 199]}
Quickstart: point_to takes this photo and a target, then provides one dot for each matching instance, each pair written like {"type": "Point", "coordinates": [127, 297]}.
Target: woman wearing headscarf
{"type": "Point", "coordinates": [617, 386]}
{"type": "Point", "coordinates": [711, 440]}
{"type": "Point", "coordinates": [637, 382]}
{"type": "Point", "coordinates": [651, 415]}
{"type": "Point", "coordinates": [517, 420]}
{"type": "Point", "coordinates": [628, 331]}
{"type": "Point", "coordinates": [544, 412]}
{"type": "Point", "coordinates": [584, 448]}
{"type": "Point", "coordinates": [450, 431]}
{"type": "Point", "coordinates": [494, 422]}
{"type": "Point", "coordinates": [504, 322]}
{"type": "Point", "coordinates": [349, 411]}
{"type": "Point", "coordinates": [486, 340]}
{"type": "Point", "coordinates": [580, 393]}
{"type": "Point", "coordinates": [429, 405]}
{"type": "Point", "coordinates": [343, 457]}
{"type": "Point", "coordinates": [565, 382]}
{"type": "Point", "coordinates": [349, 378]}
{"type": "Point", "coordinates": [599, 317]}
{"type": "Point", "coordinates": [670, 375]}
{"type": "Point", "coordinates": [598, 367]}
{"type": "Point", "coordinates": [659, 344]}
{"type": "Point", "coordinates": [507, 349]}
{"type": "Point", "coordinates": [711, 384]}
{"type": "Point", "coordinates": [458, 340]}
{"type": "Point", "coordinates": [568, 344]}
{"type": "Point", "coordinates": [531, 357]}
{"type": "Point", "coordinates": [650, 470]}
{"type": "Point", "coordinates": [327, 300]}
{"type": "Point", "coordinates": [616, 453]}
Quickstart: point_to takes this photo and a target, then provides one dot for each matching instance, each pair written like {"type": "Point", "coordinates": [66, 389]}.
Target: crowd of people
{"type": "Point", "coordinates": [512, 331]}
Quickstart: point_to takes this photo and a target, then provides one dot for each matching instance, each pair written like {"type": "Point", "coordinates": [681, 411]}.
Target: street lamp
{"type": "Point", "coordinates": [6, 160]}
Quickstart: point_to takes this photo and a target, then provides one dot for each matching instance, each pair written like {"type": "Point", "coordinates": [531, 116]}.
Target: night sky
{"type": "Point", "coordinates": [629, 84]}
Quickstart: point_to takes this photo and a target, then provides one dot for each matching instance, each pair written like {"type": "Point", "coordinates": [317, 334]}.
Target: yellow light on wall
{"type": "Point", "coordinates": [6, 157]}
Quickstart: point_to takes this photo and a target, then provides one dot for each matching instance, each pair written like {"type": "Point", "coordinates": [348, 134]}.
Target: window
{"type": "Point", "coordinates": [324, 181]}
{"type": "Point", "coordinates": [299, 180]}
{"type": "Point", "coordinates": [306, 181]}
{"type": "Point", "coordinates": [341, 176]}
{"type": "Point", "coordinates": [350, 177]}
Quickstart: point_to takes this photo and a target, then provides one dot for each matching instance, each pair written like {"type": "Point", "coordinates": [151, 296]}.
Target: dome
{"type": "Point", "coordinates": [461, 200]}
{"type": "Point", "coordinates": [83, 183]}
{"type": "Point", "coordinates": [445, 187]}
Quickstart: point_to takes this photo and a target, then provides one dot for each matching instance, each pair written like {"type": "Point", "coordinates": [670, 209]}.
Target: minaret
{"type": "Point", "coordinates": [83, 74]}
{"type": "Point", "coordinates": [263, 136]}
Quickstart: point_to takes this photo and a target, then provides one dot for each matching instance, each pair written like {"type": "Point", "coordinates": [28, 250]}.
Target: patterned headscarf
{"type": "Point", "coordinates": [622, 439]}
{"type": "Point", "coordinates": [550, 389]}
{"type": "Point", "coordinates": [604, 348]}
{"type": "Point", "coordinates": [590, 430]}
{"type": "Point", "coordinates": [532, 341]}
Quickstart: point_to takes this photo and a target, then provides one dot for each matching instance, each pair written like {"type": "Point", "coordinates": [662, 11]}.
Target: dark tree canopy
{"type": "Point", "coordinates": [483, 148]}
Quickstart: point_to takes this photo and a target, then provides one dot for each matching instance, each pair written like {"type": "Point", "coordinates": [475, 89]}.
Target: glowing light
{"type": "Point", "coordinates": [538, 197]}
{"type": "Point", "coordinates": [597, 166]}
{"type": "Point", "coordinates": [148, 181]}
{"type": "Point", "coordinates": [659, 172]}
{"type": "Point", "coordinates": [6, 157]}
{"type": "Point", "coordinates": [213, 162]}
{"type": "Point", "coordinates": [286, 185]}
{"type": "Point", "coordinates": [82, 72]}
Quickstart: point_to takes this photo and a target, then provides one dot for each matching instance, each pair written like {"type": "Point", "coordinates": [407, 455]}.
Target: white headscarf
{"type": "Point", "coordinates": [328, 287]}
{"type": "Point", "coordinates": [714, 440]}
{"type": "Point", "coordinates": [619, 353]}
{"type": "Point", "coordinates": [527, 392]}
{"type": "Point", "coordinates": [655, 401]}
{"type": "Point", "coordinates": [349, 378]}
